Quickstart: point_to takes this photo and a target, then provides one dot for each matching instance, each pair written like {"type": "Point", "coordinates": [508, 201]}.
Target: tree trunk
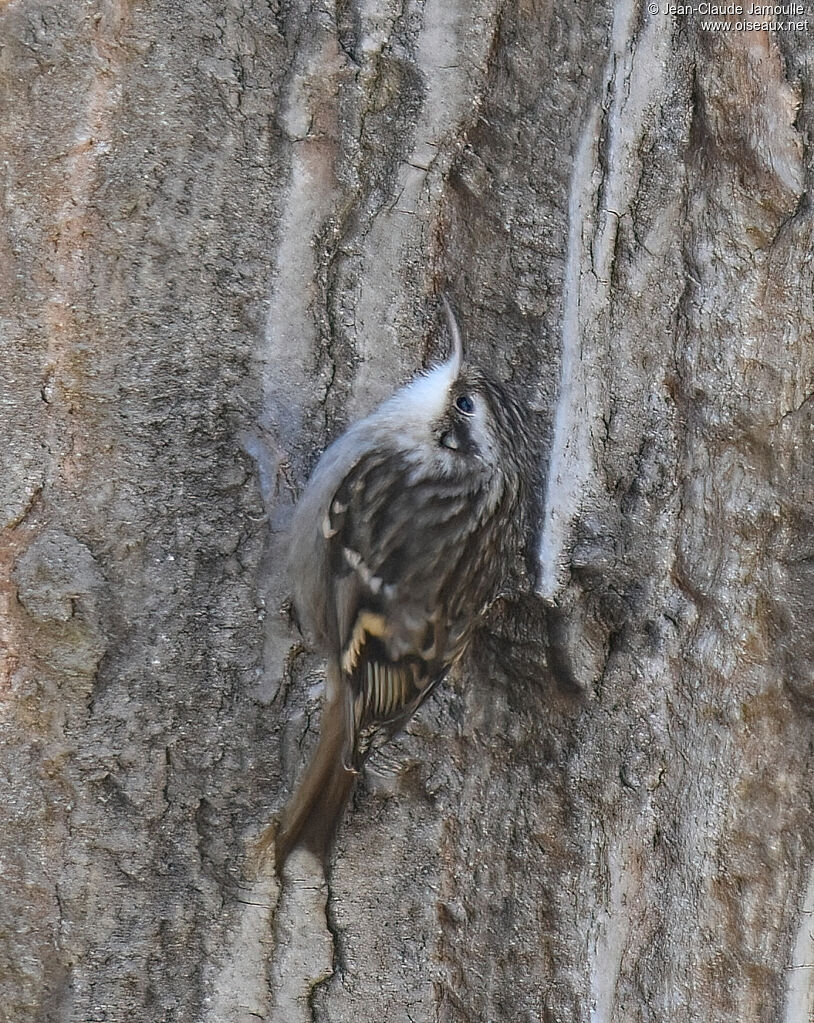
{"type": "Point", "coordinates": [225, 227]}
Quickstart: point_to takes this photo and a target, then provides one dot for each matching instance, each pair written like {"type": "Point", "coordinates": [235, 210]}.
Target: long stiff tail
{"type": "Point", "coordinates": [312, 815]}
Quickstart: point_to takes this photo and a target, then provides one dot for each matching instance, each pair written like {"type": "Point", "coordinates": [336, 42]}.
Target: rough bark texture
{"type": "Point", "coordinates": [224, 226]}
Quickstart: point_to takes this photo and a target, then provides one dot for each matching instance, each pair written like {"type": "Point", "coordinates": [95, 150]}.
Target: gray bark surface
{"type": "Point", "coordinates": [224, 228]}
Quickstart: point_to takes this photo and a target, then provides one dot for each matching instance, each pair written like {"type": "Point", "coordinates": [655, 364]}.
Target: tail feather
{"type": "Point", "coordinates": [312, 815]}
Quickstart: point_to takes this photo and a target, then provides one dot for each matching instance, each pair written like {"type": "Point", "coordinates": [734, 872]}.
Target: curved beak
{"type": "Point", "coordinates": [457, 356]}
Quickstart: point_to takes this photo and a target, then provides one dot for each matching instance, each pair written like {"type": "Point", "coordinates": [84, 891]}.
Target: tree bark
{"type": "Point", "coordinates": [224, 230]}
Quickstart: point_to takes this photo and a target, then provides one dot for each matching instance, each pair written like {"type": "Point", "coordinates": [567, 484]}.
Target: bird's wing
{"type": "Point", "coordinates": [392, 633]}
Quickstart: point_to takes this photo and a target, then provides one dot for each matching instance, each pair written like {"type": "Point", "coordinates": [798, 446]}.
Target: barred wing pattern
{"type": "Point", "coordinates": [408, 585]}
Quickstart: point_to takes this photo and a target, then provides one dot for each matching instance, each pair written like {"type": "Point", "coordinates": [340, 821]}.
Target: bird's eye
{"type": "Point", "coordinates": [463, 403]}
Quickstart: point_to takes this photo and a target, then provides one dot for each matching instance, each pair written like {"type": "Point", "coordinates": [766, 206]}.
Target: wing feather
{"type": "Point", "coordinates": [384, 594]}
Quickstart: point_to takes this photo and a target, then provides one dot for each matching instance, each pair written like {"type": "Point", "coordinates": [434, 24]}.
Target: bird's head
{"type": "Point", "coordinates": [455, 419]}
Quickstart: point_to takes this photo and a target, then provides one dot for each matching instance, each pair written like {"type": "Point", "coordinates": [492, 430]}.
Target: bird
{"type": "Point", "coordinates": [399, 543]}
